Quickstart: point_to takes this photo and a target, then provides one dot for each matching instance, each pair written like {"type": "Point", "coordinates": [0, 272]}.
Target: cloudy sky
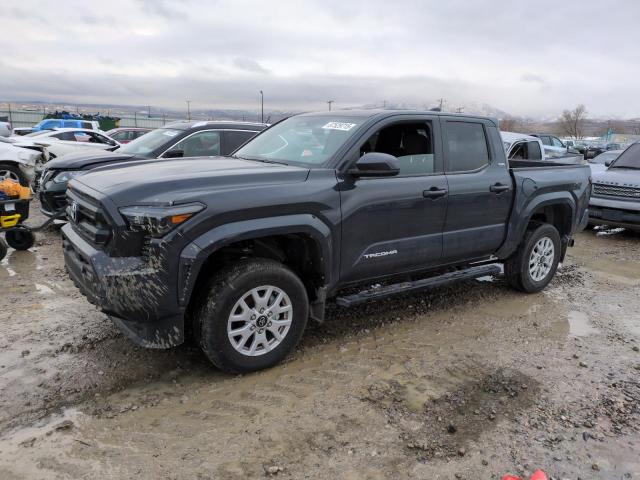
{"type": "Point", "coordinates": [523, 57]}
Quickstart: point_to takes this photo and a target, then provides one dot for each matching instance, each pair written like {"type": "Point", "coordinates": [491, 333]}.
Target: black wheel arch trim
{"type": "Point", "coordinates": [196, 253]}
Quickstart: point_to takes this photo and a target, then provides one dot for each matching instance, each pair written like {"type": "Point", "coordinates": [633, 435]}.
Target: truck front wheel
{"type": "Point", "coordinates": [534, 264]}
{"type": "Point", "coordinates": [253, 314]}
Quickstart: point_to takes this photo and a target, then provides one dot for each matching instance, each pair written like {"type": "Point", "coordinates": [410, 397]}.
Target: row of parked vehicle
{"type": "Point", "coordinates": [239, 244]}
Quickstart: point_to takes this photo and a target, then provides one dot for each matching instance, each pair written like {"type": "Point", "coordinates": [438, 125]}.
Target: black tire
{"type": "Point", "coordinates": [15, 173]}
{"type": "Point", "coordinates": [227, 287]}
{"type": "Point", "coordinates": [20, 238]}
{"type": "Point", "coordinates": [516, 268]}
{"type": "Point", "coordinates": [3, 249]}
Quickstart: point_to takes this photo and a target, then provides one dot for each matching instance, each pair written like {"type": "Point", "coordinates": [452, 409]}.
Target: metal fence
{"type": "Point", "coordinates": [28, 118]}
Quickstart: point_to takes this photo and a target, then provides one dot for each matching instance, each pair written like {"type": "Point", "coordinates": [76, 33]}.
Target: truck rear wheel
{"type": "Point", "coordinates": [252, 315]}
{"type": "Point", "coordinates": [534, 264]}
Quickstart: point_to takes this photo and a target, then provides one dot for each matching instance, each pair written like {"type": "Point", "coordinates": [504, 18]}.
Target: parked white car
{"type": "Point", "coordinates": [5, 129]}
{"type": "Point", "coordinates": [519, 146]}
{"type": "Point", "coordinates": [19, 162]}
{"type": "Point", "coordinates": [61, 141]}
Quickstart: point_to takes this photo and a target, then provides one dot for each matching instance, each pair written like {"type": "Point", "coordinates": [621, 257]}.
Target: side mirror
{"type": "Point", "coordinates": [175, 153]}
{"type": "Point", "coordinates": [376, 164]}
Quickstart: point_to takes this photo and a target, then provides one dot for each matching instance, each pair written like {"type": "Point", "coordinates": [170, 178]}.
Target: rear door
{"type": "Point", "coordinates": [480, 189]}
{"type": "Point", "coordinates": [233, 139]}
{"type": "Point", "coordinates": [394, 224]}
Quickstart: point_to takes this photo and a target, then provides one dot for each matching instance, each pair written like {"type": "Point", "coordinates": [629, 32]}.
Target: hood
{"type": "Point", "coordinates": [155, 182]}
{"type": "Point", "coordinates": [619, 177]}
{"type": "Point", "coordinates": [84, 159]}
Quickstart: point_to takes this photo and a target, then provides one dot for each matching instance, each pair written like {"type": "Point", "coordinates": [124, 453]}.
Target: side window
{"type": "Point", "coordinates": [52, 124]}
{"type": "Point", "coordinates": [534, 151]}
{"type": "Point", "coordinates": [234, 138]}
{"type": "Point", "coordinates": [546, 140]}
{"type": "Point", "coordinates": [556, 142]}
{"type": "Point", "coordinates": [119, 136]}
{"type": "Point", "coordinates": [518, 152]}
{"type": "Point", "coordinates": [67, 136]}
{"type": "Point", "coordinates": [466, 146]}
{"type": "Point", "coordinates": [200, 144]}
{"type": "Point", "coordinates": [81, 137]}
{"type": "Point", "coordinates": [410, 143]}
{"type": "Point", "coordinates": [87, 125]}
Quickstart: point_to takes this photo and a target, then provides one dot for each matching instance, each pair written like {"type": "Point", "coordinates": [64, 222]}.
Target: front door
{"type": "Point", "coordinates": [394, 224]}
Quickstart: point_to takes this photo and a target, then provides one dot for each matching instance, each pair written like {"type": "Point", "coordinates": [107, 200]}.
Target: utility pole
{"type": "Point", "coordinates": [330, 102]}
{"type": "Point", "coordinates": [441, 103]}
{"type": "Point", "coordinates": [149, 110]}
{"type": "Point", "coordinates": [261, 107]}
{"type": "Point", "coordinates": [188, 109]}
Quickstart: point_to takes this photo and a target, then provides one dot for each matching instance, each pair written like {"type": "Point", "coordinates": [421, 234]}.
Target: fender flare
{"type": "Point", "coordinates": [194, 255]}
{"type": "Point", "coordinates": [516, 233]}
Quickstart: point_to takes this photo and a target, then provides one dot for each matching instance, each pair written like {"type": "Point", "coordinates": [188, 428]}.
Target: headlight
{"type": "Point", "coordinates": [158, 221]}
{"type": "Point", "coordinates": [64, 177]}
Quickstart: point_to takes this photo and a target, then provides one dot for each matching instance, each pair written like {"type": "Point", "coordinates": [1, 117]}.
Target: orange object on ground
{"type": "Point", "coordinates": [537, 475]}
{"type": "Point", "coordinates": [13, 189]}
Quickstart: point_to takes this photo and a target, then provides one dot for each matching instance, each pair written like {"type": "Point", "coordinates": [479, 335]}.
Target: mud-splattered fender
{"type": "Point", "coordinates": [197, 252]}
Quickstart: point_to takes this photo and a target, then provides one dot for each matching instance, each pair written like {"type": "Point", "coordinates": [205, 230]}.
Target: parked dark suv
{"type": "Point", "coordinates": [180, 139]}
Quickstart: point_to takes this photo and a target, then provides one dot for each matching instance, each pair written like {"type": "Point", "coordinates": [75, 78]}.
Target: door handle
{"type": "Point", "coordinates": [499, 188]}
{"type": "Point", "coordinates": [434, 192]}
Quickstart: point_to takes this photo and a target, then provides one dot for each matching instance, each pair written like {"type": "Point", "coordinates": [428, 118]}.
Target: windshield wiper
{"type": "Point", "coordinates": [263, 160]}
{"type": "Point", "coordinates": [625, 166]}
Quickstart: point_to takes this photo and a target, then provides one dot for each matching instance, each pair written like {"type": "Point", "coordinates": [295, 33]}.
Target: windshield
{"type": "Point", "coordinates": [630, 158]}
{"type": "Point", "coordinates": [149, 142]}
{"type": "Point", "coordinates": [301, 140]}
{"type": "Point", "coordinates": [604, 157]}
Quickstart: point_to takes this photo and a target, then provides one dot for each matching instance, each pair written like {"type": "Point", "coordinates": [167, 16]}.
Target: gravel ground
{"type": "Point", "coordinates": [466, 382]}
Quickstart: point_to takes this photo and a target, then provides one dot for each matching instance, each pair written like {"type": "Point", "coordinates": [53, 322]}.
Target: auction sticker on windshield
{"type": "Point", "coordinates": [339, 126]}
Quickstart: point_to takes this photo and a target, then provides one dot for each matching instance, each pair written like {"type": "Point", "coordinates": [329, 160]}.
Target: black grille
{"type": "Point", "coordinates": [616, 190]}
{"type": "Point", "coordinates": [88, 218]}
{"type": "Point", "coordinates": [146, 248]}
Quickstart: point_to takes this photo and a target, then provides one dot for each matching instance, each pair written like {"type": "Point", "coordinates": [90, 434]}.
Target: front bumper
{"type": "Point", "coordinates": [52, 195]}
{"type": "Point", "coordinates": [136, 296]}
{"type": "Point", "coordinates": [616, 213]}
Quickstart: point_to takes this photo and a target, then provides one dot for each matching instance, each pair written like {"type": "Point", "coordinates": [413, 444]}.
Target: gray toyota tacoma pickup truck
{"type": "Point", "coordinates": [238, 253]}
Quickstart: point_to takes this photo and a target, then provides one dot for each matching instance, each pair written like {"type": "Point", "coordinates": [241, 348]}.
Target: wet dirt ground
{"type": "Point", "coordinates": [468, 382]}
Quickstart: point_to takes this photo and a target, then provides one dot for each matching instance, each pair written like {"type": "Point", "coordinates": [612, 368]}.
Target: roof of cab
{"type": "Point", "coordinates": [513, 136]}
{"type": "Point", "coordinates": [189, 124]}
{"type": "Point", "coordinates": [387, 113]}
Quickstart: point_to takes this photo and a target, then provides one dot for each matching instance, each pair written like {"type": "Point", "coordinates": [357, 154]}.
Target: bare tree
{"type": "Point", "coordinates": [572, 121]}
{"type": "Point", "coordinates": [508, 124]}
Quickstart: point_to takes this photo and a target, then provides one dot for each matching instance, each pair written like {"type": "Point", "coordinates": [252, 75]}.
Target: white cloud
{"type": "Point", "coordinates": [518, 57]}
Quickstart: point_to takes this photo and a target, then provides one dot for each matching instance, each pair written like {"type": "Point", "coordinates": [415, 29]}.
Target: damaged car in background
{"type": "Point", "coordinates": [19, 160]}
{"type": "Point", "coordinates": [175, 140]}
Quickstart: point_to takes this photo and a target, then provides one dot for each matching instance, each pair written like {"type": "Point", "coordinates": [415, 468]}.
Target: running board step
{"type": "Point", "coordinates": [423, 284]}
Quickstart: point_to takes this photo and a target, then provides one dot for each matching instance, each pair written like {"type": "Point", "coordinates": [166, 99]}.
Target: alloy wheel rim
{"type": "Point", "coordinates": [5, 174]}
{"type": "Point", "coordinates": [541, 259]}
{"type": "Point", "coordinates": [260, 320]}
